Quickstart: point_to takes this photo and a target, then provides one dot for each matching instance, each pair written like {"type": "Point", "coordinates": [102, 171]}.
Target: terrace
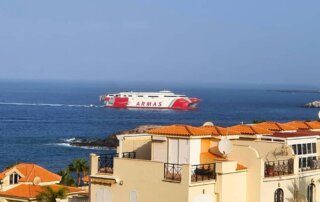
{"type": "Point", "coordinates": [199, 173]}
{"type": "Point", "coordinates": [279, 168]}
{"type": "Point", "coordinates": [105, 161]}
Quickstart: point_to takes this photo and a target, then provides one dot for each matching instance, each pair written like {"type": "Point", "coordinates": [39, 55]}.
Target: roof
{"type": "Point", "coordinates": [180, 130]}
{"type": "Point", "coordinates": [241, 167]}
{"type": "Point", "coordinates": [219, 131]}
{"type": "Point", "coordinates": [30, 171]}
{"type": "Point", "coordinates": [299, 133]}
{"type": "Point", "coordinates": [314, 124]}
{"type": "Point", "coordinates": [208, 157]}
{"type": "Point", "coordinates": [31, 191]}
{"type": "Point", "coordinates": [250, 129]}
{"type": "Point", "coordinates": [85, 178]}
{"type": "Point", "coordinates": [298, 124]}
{"type": "Point", "coordinates": [274, 126]}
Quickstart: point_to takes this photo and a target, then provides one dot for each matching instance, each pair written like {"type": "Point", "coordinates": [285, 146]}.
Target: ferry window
{"type": "Point", "coordinates": [152, 96]}
{"type": "Point", "coordinates": [299, 149]}
{"type": "Point", "coordinates": [140, 95]}
{"type": "Point", "coordinates": [314, 147]}
{"type": "Point", "coordinates": [278, 195]}
{"type": "Point", "coordinates": [310, 192]}
{"type": "Point", "coordinates": [130, 95]}
{"type": "Point", "coordinates": [294, 147]}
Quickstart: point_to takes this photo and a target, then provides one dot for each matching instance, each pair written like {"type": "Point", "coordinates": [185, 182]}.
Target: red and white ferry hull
{"type": "Point", "coordinates": [159, 100]}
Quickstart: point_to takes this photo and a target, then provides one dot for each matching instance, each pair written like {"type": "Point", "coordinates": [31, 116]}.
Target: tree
{"type": "Point", "coordinates": [79, 166]}
{"type": "Point", "coordinates": [66, 178]}
{"type": "Point", "coordinates": [50, 195]}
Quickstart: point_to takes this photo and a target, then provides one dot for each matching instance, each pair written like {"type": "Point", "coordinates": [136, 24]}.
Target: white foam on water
{"type": "Point", "coordinates": [45, 104]}
{"type": "Point", "coordinates": [82, 147]}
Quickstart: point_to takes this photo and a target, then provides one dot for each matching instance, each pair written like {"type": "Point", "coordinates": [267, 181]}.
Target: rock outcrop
{"type": "Point", "coordinates": [110, 141]}
{"type": "Point", "coordinates": [315, 104]}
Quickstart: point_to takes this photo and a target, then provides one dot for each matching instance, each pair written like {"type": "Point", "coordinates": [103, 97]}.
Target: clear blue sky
{"type": "Point", "coordinates": [260, 42]}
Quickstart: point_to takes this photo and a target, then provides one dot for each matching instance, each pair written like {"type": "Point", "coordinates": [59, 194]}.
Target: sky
{"type": "Point", "coordinates": [204, 41]}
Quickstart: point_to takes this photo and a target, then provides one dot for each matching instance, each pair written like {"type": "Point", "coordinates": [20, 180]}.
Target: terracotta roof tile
{"type": "Point", "coordinates": [298, 124]}
{"type": "Point", "coordinates": [313, 124]}
{"type": "Point", "coordinates": [274, 126]}
{"type": "Point", "coordinates": [85, 179]}
{"type": "Point", "coordinates": [30, 171]}
{"type": "Point", "coordinates": [179, 130]}
{"type": "Point", "coordinates": [219, 131]}
{"type": "Point", "coordinates": [250, 130]}
{"type": "Point", "coordinates": [31, 191]}
{"type": "Point", "coordinates": [241, 167]}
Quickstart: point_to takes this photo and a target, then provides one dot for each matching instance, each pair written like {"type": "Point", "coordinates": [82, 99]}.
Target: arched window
{"type": "Point", "coordinates": [310, 194]}
{"type": "Point", "coordinates": [278, 195]}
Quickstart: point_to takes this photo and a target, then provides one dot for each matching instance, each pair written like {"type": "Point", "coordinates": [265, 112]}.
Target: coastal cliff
{"type": "Point", "coordinates": [315, 104]}
{"type": "Point", "coordinates": [110, 141]}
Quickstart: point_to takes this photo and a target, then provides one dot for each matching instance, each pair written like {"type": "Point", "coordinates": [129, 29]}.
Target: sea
{"type": "Point", "coordinates": [39, 119]}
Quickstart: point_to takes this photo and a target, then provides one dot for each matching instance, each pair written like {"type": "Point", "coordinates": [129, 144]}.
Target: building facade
{"type": "Point", "coordinates": [268, 162]}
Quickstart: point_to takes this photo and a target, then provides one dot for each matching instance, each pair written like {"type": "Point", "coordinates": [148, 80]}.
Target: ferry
{"type": "Point", "coordinates": [150, 100]}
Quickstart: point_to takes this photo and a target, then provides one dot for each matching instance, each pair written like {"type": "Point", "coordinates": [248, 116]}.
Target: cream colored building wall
{"type": "Point", "coordinates": [318, 148]}
{"type": "Point", "coordinates": [200, 190]}
{"type": "Point", "coordinates": [294, 188]}
{"type": "Point", "coordinates": [232, 187]}
{"type": "Point", "coordinates": [146, 178]}
{"type": "Point", "coordinates": [269, 151]}
{"type": "Point", "coordinates": [249, 157]}
{"type": "Point", "coordinates": [4, 199]}
{"type": "Point", "coordinates": [159, 151]}
{"type": "Point", "coordinates": [139, 144]}
{"type": "Point", "coordinates": [195, 150]}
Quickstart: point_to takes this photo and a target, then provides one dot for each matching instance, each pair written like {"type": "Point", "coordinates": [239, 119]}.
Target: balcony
{"type": "Point", "coordinates": [199, 173]}
{"type": "Point", "coordinates": [105, 161]}
{"type": "Point", "coordinates": [203, 172]}
{"type": "Point", "coordinates": [309, 163]}
{"type": "Point", "coordinates": [172, 172]}
{"type": "Point", "coordinates": [278, 168]}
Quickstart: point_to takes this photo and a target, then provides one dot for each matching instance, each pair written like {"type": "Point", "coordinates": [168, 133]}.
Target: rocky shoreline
{"type": "Point", "coordinates": [315, 104]}
{"type": "Point", "coordinates": [110, 141]}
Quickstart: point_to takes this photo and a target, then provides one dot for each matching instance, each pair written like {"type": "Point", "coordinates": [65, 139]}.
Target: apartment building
{"type": "Point", "coordinates": [245, 163]}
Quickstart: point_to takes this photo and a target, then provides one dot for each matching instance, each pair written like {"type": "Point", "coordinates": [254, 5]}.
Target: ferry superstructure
{"type": "Point", "coordinates": [150, 100]}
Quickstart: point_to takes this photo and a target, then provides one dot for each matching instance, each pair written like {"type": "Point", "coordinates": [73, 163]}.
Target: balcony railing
{"type": "Point", "coordinates": [278, 168]}
{"type": "Point", "coordinates": [309, 163]}
{"type": "Point", "coordinates": [203, 172]}
{"type": "Point", "coordinates": [105, 161]}
{"type": "Point", "coordinates": [172, 172]}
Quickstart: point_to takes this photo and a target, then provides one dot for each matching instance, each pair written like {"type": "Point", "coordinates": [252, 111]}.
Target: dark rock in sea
{"type": "Point", "coordinates": [110, 141]}
{"type": "Point", "coordinates": [315, 104]}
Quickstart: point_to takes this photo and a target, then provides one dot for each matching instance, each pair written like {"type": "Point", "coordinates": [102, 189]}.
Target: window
{"type": "Point", "coordinates": [307, 155]}
{"type": "Point", "coordinates": [309, 148]}
{"type": "Point", "coordinates": [294, 147]}
{"type": "Point", "coordinates": [310, 192]}
{"type": "Point", "coordinates": [133, 196]}
{"type": "Point", "coordinates": [304, 149]}
{"type": "Point", "coordinates": [278, 195]}
{"type": "Point", "coordinates": [14, 178]}
{"type": "Point", "coordinates": [299, 149]}
{"type": "Point", "coordinates": [314, 147]}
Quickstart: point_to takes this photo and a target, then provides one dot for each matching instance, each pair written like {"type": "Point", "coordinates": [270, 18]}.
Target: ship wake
{"type": "Point", "coordinates": [46, 104]}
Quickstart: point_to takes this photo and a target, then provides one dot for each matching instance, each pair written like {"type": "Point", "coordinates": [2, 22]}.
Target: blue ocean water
{"type": "Point", "coordinates": [37, 118]}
